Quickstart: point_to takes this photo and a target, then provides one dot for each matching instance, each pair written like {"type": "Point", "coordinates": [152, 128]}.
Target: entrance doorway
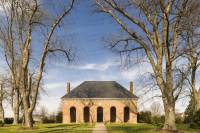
{"type": "Point", "coordinates": [99, 114]}
{"type": "Point", "coordinates": [112, 114]}
{"type": "Point", "coordinates": [73, 114]}
{"type": "Point", "coordinates": [86, 114]}
{"type": "Point", "coordinates": [126, 114]}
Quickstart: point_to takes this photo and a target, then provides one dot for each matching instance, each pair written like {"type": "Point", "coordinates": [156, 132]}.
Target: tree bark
{"type": "Point", "coordinates": [1, 100]}
{"type": "Point", "coordinates": [16, 108]}
{"type": "Point", "coordinates": [169, 106]}
{"type": "Point", "coordinates": [2, 112]}
{"type": "Point", "coordinates": [27, 110]}
{"type": "Point", "coordinates": [197, 103]}
{"type": "Point", "coordinates": [168, 99]}
{"type": "Point", "coordinates": [28, 119]}
{"type": "Point", "coordinates": [196, 93]}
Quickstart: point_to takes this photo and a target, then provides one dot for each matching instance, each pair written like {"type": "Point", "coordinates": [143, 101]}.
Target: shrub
{"type": "Point", "coordinates": [162, 119]}
{"type": "Point", "coordinates": [144, 117]}
{"type": "Point", "coordinates": [194, 125]}
{"type": "Point", "coordinates": [46, 120]}
{"type": "Point", "coordinates": [59, 117]}
{"type": "Point", "coordinates": [178, 120]}
{"type": "Point", "coordinates": [157, 119]}
{"type": "Point", "coordinates": [1, 123]}
{"type": "Point", "coordinates": [8, 120]}
{"type": "Point", "coordinates": [196, 120]}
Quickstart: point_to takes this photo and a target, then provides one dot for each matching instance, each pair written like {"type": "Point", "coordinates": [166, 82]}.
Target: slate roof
{"type": "Point", "coordinates": [99, 89]}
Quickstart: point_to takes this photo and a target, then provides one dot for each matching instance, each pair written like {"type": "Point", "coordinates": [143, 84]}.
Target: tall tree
{"type": "Point", "coordinates": [149, 33]}
{"type": "Point", "coordinates": [3, 94]}
{"type": "Point", "coordinates": [190, 35]}
{"type": "Point", "coordinates": [27, 24]}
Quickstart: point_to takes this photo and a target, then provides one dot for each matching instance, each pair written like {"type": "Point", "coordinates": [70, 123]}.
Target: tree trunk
{"type": "Point", "coordinates": [168, 99]}
{"type": "Point", "coordinates": [169, 115]}
{"type": "Point", "coordinates": [28, 119]}
{"type": "Point", "coordinates": [197, 104]}
{"type": "Point", "coordinates": [27, 110]}
{"type": "Point", "coordinates": [2, 114]}
{"type": "Point", "coordinates": [16, 116]}
{"type": "Point", "coordinates": [196, 93]}
{"type": "Point", "coordinates": [16, 108]}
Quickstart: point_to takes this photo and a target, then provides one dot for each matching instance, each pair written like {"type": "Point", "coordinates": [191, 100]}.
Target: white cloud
{"type": "Point", "coordinates": [54, 85]}
{"type": "Point", "coordinates": [100, 67]}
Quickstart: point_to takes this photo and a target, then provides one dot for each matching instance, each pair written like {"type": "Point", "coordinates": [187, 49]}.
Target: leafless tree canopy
{"type": "Point", "coordinates": [156, 108]}
{"type": "Point", "coordinates": [149, 31]}
{"type": "Point", "coordinates": [31, 32]}
{"type": "Point", "coordinates": [190, 35]}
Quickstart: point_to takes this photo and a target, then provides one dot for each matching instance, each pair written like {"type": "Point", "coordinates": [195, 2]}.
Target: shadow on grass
{"type": "Point", "coordinates": [129, 128]}
{"type": "Point", "coordinates": [69, 126]}
{"type": "Point", "coordinates": [66, 130]}
{"type": "Point", "coordinates": [159, 125]}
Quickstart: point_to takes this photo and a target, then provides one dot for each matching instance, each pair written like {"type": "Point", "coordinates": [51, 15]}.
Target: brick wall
{"type": "Point", "coordinates": [105, 104]}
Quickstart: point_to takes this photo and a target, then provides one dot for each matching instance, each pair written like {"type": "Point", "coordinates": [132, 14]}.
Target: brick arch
{"type": "Point", "coordinates": [86, 114]}
{"type": "Point", "coordinates": [100, 114]}
{"type": "Point", "coordinates": [113, 113]}
{"type": "Point", "coordinates": [126, 112]}
{"type": "Point", "coordinates": [72, 114]}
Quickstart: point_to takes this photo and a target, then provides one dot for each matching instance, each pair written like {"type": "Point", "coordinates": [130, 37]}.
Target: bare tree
{"type": "Point", "coordinates": [3, 93]}
{"type": "Point", "coordinates": [156, 108]}
{"type": "Point", "coordinates": [191, 36]}
{"type": "Point", "coordinates": [149, 33]}
{"type": "Point", "coordinates": [43, 112]}
{"type": "Point", "coordinates": [60, 107]}
{"type": "Point", "coordinates": [25, 22]}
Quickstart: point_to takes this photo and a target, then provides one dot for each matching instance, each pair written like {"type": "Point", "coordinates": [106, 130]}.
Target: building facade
{"type": "Point", "coordinates": [99, 101]}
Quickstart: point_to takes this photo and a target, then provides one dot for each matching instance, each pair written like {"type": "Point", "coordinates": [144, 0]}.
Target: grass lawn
{"type": "Point", "coordinates": [76, 128]}
{"type": "Point", "coordinates": [142, 128]}
{"type": "Point", "coordinates": [50, 128]}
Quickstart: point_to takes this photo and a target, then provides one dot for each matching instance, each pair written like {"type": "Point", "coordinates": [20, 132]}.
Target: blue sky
{"type": "Point", "coordinates": [95, 64]}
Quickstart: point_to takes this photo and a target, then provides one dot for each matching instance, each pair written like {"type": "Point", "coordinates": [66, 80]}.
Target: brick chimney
{"type": "Point", "coordinates": [68, 87]}
{"type": "Point", "coordinates": [131, 87]}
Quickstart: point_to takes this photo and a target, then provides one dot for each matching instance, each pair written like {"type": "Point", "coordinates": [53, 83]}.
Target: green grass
{"type": "Point", "coordinates": [142, 128]}
{"type": "Point", "coordinates": [187, 128]}
{"type": "Point", "coordinates": [130, 128]}
{"type": "Point", "coordinates": [50, 128]}
{"type": "Point", "coordinates": [73, 128]}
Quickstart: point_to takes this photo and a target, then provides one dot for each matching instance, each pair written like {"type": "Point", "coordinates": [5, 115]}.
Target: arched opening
{"type": "Point", "coordinates": [72, 114]}
{"type": "Point", "coordinates": [99, 114]}
{"type": "Point", "coordinates": [112, 114]}
{"type": "Point", "coordinates": [86, 114]}
{"type": "Point", "coordinates": [126, 114]}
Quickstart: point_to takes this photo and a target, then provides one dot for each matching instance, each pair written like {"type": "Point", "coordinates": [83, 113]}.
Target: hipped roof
{"type": "Point", "coordinates": [99, 89]}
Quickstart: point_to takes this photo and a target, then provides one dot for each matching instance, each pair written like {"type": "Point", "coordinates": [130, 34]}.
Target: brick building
{"type": "Point", "coordinates": [99, 101]}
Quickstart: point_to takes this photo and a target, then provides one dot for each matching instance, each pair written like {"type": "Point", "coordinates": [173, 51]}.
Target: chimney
{"type": "Point", "coordinates": [68, 87]}
{"type": "Point", "coordinates": [131, 87]}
